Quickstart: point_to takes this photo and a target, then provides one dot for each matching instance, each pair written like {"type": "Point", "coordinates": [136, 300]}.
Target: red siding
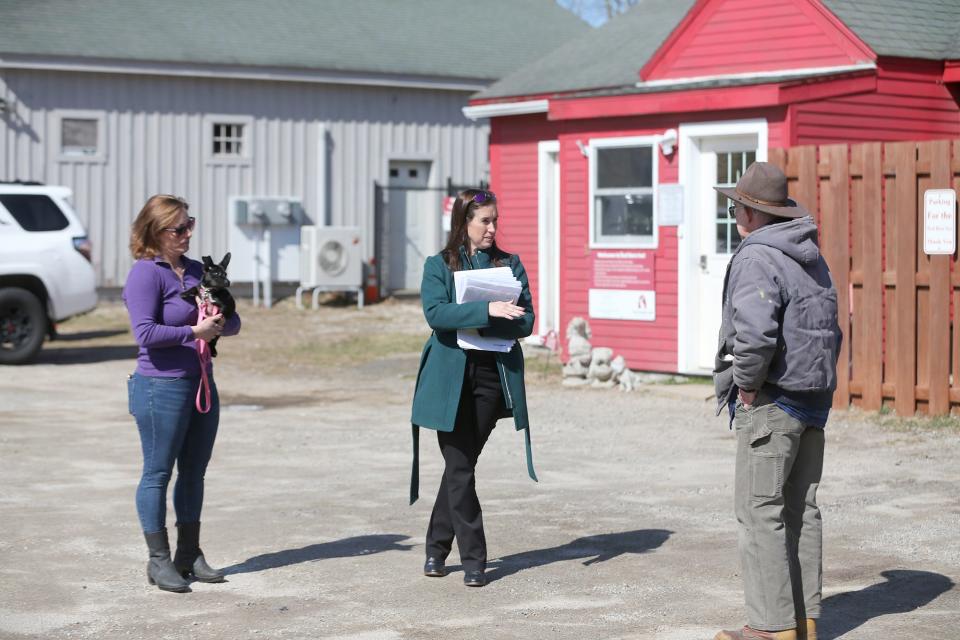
{"type": "Point", "coordinates": [738, 36]}
{"type": "Point", "coordinates": [650, 346]}
{"type": "Point", "coordinates": [910, 104]}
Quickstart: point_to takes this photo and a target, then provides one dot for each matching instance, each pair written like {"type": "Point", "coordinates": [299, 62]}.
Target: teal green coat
{"type": "Point", "coordinates": [443, 364]}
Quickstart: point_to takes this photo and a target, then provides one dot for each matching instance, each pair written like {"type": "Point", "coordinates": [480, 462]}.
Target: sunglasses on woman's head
{"type": "Point", "coordinates": [485, 196]}
{"type": "Point", "coordinates": [183, 228]}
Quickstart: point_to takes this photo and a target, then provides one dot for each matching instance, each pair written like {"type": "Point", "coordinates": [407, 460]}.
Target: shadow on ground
{"type": "Point", "coordinates": [903, 591]}
{"type": "Point", "coordinates": [346, 548]}
{"type": "Point", "coordinates": [591, 549]}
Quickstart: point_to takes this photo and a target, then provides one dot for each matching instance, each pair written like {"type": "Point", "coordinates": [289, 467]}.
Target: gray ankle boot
{"type": "Point", "coordinates": [160, 569]}
{"type": "Point", "coordinates": [189, 559]}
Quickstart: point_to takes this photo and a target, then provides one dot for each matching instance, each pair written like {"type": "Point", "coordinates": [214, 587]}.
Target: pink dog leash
{"type": "Point", "coordinates": [203, 353]}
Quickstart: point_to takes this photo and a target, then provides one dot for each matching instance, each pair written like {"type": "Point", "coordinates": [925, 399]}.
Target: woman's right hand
{"type": "Point", "coordinates": [208, 328]}
{"type": "Point", "coordinates": [506, 310]}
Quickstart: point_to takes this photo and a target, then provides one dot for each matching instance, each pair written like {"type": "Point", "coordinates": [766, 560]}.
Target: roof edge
{"type": "Point", "coordinates": [476, 112]}
{"type": "Point", "coordinates": [239, 72]}
{"type": "Point", "coordinates": [807, 72]}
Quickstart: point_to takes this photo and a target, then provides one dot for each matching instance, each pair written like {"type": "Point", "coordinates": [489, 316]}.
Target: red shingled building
{"type": "Point", "coordinates": [603, 153]}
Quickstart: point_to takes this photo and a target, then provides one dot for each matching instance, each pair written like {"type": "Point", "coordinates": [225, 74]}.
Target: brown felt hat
{"type": "Point", "coordinates": [764, 187]}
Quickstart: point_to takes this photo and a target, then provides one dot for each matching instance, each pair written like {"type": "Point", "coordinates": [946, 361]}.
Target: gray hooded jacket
{"type": "Point", "coordinates": [779, 314]}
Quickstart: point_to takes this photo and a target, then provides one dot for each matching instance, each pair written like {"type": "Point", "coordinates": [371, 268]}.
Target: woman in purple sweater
{"type": "Point", "coordinates": [163, 389]}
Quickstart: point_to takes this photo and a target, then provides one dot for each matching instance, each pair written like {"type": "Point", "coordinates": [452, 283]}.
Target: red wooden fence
{"type": "Point", "coordinates": [899, 308]}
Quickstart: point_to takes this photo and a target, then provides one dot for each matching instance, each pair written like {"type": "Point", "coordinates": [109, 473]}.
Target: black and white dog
{"type": "Point", "coordinates": [212, 290]}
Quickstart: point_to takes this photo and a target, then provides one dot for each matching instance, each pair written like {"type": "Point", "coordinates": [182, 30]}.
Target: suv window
{"type": "Point", "coordinates": [34, 212]}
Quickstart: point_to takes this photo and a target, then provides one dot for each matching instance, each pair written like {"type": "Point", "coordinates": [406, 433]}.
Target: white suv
{"type": "Point", "coordinates": [45, 270]}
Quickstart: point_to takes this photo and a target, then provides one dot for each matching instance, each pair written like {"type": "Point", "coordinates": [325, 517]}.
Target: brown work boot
{"type": "Point", "coordinates": [807, 630]}
{"type": "Point", "coordinates": [754, 634]}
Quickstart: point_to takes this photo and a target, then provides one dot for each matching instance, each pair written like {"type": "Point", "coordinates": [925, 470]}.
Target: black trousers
{"type": "Point", "coordinates": [456, 512]}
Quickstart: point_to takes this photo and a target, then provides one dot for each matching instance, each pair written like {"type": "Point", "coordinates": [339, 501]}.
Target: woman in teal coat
{"type": "Point", "coordinates": [462, 393]}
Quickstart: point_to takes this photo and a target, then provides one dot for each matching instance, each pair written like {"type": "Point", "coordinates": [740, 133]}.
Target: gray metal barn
{"type": "Point", "coordinates": [317, 100]}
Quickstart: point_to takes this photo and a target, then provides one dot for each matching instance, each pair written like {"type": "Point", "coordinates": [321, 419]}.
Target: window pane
{"type": "Point", "coordinates": [34, 213]}
{"type": "Point", "coordinates": [624, 167]}
{"type": "Point", "coordinates": [723, 168]}
{"type": "Point", "coordinates": [629, 215]}
{"type": "Point", "coordinates": [227, 139]}
{"type": "Point", "coordinates": [78, 136]}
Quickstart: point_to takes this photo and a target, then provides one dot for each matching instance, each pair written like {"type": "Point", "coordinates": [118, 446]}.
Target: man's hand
{"type": "Point", "coordinates": [748, 397]}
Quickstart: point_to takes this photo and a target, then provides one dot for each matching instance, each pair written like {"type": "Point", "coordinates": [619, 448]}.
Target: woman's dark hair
{"type": "Point", "coordinates": [464, 208]}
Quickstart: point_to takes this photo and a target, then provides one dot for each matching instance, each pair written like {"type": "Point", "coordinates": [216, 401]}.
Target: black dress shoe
{"type": "Point", "coordinates": [474, 578]}
{"type": "Point", "coordinates": [434, 568]}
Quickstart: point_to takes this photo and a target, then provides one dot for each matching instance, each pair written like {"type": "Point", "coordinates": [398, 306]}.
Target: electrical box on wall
{"type": "Point", "coordinates": [273, 211]}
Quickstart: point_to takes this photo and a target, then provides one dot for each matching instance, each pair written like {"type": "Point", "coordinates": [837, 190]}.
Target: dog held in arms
{"type": "Point", "coordinates": [212, 291]}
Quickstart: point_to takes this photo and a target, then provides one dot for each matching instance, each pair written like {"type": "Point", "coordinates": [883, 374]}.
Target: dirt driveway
{"type": "Point", "coordinates": [629, 534]}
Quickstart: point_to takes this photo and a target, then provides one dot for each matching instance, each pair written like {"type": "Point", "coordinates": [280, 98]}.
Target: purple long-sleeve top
{"type": "Point", "coordinates": [162, 321]}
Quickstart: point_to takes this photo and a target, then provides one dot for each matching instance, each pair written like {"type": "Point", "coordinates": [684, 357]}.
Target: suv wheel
{"type": "Point", "coordinates": [23, 325]}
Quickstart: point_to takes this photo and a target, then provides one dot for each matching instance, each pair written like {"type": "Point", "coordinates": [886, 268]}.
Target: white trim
{"type": "Point", "coordinates": [593, 144]}
{"type": "Point", "coordinates": [506, 109]}
{"type": "Point", "coordinates": [240, 72]}
{"type": "Point", "coordinates": [544, 149]}
{"type": "Point", "coordinates": [757, 75]}
{"type": "Point", "coordinates": [687, 236]}
{"type": "Point", "coordinates": [246, 144]}
{"type": "Point", "coordinates": [80, 114]}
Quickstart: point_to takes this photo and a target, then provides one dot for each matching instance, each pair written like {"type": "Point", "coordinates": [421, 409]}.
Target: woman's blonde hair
{"type": "Point", "coordinates": [160, 212]}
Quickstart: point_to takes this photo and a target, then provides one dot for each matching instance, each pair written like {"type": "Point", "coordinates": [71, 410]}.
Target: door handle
{"type": "Point", "coordinates": [703, 262]}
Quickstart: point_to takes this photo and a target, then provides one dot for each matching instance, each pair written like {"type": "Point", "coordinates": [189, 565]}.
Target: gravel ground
{"type": "Point", "coordinates": [629, 534]}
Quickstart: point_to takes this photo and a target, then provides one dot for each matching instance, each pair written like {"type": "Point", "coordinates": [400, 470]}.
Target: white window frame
{"type": "Point", "coordinates": [246, 144]}
{"type": "Point", "coordinates": [80, 114]}
{"type": "Point", "coordinates": [631, 242]}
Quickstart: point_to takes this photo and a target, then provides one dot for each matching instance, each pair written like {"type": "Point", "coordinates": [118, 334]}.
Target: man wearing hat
{"type": "Point", "coordinates": [776, 372]}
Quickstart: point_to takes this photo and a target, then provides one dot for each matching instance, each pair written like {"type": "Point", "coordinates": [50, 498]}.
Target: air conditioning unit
{"type": "Point", "coordinates": [331, 258]}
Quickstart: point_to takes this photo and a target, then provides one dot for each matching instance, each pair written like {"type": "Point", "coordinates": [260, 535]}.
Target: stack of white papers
{"type": "Point", "coordinates": [485, 285]}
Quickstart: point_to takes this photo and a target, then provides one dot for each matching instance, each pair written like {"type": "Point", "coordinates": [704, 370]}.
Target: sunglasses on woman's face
{"type": "Point", "coordinates": [182, 229]}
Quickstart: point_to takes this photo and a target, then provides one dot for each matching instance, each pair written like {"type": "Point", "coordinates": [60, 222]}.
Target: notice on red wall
{"type": "Point", "coordinates": [622, 270]}
{"type": "Point", "coordinates": [622, 285]}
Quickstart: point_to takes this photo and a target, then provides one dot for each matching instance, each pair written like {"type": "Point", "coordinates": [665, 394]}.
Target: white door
{"type": "Point", "coordinates": [413, 221]}
{"type": "Point", "coordinates": [548, 271]}
{"type": "Point", "coordinates": [722, 162]}
{"type": "Point", "coordinates": [712, 154]}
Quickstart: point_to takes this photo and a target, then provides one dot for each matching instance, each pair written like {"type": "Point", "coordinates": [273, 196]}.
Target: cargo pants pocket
{"type": "Point", "coordinates": [766, 462]}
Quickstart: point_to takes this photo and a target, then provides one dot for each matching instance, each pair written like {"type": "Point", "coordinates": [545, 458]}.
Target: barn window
{"type": "Point", "coordinates": [228, 140]}
{"type": "Point", "coordinates": [623, 178]}
{"type": "Point", "coordinates": [80, 136]}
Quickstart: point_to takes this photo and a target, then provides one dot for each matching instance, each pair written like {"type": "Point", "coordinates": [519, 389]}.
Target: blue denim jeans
{"type": "Point", "coordinates": [171, 431]}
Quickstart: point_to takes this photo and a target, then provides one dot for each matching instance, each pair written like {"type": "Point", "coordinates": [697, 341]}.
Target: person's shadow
{"type": "Point", "coordinates": [591, 549]}
{"type": "Point", "coordinates": [346, 548]}
{"type": "Point", "coordinates": [903, 591]}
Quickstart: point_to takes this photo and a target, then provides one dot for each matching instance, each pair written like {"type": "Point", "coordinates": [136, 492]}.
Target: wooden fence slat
{"type": "Point", "coordinates": [903, 157]}
{"type": "Point", "coordinates": [802, 163]}
{"type": "Point", "coordinates": [779, 158]}
{"type": "Point", "coordinates": [868, 316]}
{"type": "Point", "coordinates": [937, 323]}
{"type": "Point", "coordinates": [835, 245]}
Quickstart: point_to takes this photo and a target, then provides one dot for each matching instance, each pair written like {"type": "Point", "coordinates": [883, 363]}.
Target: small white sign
{"type": "Point", "coordinates": [939, 221]}
{"type": "Point", "coordinates": [670, 205]}
{"type": "Point", "coordinates": [623, 304]}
